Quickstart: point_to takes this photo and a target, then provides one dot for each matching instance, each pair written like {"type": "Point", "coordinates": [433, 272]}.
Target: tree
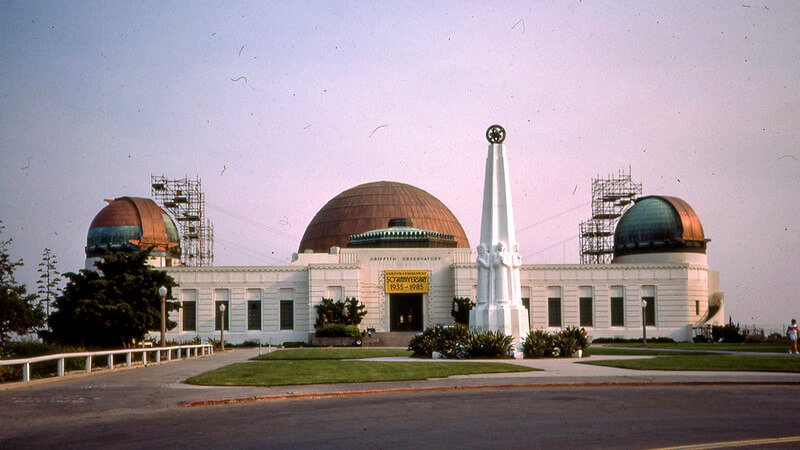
{"type": "Point", "coordinates": [19, 313]}
{"type": "Point", "coordinates": [49, 280]}
{"type": "Point", "coordinates": [349, 312]}
{"type": "Point", "coordinates": [115, 305]}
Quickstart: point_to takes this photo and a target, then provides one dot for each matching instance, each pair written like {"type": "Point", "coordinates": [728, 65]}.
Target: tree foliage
{"type": "Point", "coordinates": [19, 313]}
{"type": "Point", "coordinates": [115, 305]}
{"type": "Point", "coordinates": [460, 310]}
{"type": "Point", "coordinates": [349, 312]}
{"type": "Point", "coordinates": [49, 281]}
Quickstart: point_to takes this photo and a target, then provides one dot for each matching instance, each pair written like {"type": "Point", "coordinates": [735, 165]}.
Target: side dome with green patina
{"type": "Point", "coordinates": [659, 224]}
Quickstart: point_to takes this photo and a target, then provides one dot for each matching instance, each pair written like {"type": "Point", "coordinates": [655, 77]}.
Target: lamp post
{"type": "Point", "coordinates": [162, 292]}
{"type": "Point", "coordinates": [222, 327]}
{"type": "Point", "coordinates": [644, 323]}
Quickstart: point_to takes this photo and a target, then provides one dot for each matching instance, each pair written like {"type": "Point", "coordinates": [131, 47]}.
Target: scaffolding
{"type": "Point", "coordinates": [611, 197]}
{"type": "Point", "coordinates": [185, 201]}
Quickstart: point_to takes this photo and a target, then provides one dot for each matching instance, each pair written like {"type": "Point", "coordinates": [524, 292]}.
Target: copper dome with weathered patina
{"type": "Point", "coordinates": [132, 223]}
{"type": "Point", "coordinates": [369, 207]}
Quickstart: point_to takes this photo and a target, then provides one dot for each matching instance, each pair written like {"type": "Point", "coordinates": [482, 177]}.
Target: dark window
{"type": "Point", "coordinates": [617, 312]}
{"type": "Point", "coordinates": [254, 314]}
{"type": "Point", "coordinates": [697, 307]}
{"type": "Point", "coordinates": [287, 314]}
{"type": "Point", "coordinates": [526, 302]}
{"type": "Point", "coordinates": [189, 316]}
{"type": "Point", "coordinates": [586, 311]}
{"type": "Point", "coordinates": [554, 312]}
{"type": "Point", "coordinates": [650, 311]}
{"type": "Point", "coordinates": [218, 315]}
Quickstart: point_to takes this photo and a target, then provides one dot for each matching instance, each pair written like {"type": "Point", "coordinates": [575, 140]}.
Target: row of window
{"type": "Point", "coordinates": [189, 315]}
{"type": "Point", "coordinates": [586, 306]}
{"type": "Point", "coordinates": [254, 309]}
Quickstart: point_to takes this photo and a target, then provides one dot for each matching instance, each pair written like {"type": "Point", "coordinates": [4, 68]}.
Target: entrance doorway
{"type": "Point", "coordinates": [405, 312]}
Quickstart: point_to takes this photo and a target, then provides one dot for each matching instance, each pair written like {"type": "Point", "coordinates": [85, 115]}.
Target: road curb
{"type": "Point", "coordinates": [362, 392]}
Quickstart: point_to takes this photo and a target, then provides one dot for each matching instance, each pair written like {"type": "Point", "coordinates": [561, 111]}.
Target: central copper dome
{"type": "Point", "coordinates": [369, 207]}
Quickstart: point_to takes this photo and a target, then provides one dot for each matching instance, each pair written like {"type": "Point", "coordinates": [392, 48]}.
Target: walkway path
{"type": "Point", "coordinates": [159, 386]}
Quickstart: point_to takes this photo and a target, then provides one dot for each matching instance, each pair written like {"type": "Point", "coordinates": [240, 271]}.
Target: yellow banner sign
{"type": "Point", "coordinates": [406, 281]}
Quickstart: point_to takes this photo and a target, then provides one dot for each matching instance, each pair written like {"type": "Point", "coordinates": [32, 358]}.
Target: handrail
{"type": "Point", "coordinates": [202, 349]}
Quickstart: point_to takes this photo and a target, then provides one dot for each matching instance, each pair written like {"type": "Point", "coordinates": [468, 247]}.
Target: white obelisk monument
{"type": "Point", "coordinates": [498, 303]}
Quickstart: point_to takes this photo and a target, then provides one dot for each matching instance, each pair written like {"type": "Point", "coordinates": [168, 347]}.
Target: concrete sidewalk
{"type": "Point", "coordinates": [159, 386]}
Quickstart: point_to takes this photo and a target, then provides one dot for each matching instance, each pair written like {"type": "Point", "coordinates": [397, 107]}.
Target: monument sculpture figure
{"type": "Point", "coordinates": [501, 264]}
{"type": "Point", "coordinates": [498, 296]}
{"type": "Point", "coordinates": [484, 265]}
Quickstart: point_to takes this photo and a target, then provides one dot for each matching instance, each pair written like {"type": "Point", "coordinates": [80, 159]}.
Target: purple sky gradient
{"type": "Point", "coordinates": [700, 99]}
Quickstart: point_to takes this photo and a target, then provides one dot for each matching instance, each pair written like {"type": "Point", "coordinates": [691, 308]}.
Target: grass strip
{"type": "Point", "coordinates": [593, 350]}
{"type": "Point", "coordinates": [295, 372]}
{"type": "Point", "coordinates": [708, 362]}
{"type": "Point", "coordinates": [740, 347]}
{"type": "Point", "coordinates": [332, 353]}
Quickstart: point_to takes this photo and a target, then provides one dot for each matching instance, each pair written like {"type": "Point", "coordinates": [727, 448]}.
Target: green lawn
{"type": "Point", "coordinates": [326, 365]}
{"type": "Point", "coordinates": [594, 350]}
{"type": "Point", "coordinates": [743, 347]}
{"type": "Point", "coordinates": [712, 362]}
{"type": "Point", "coordinates": [333, 353]}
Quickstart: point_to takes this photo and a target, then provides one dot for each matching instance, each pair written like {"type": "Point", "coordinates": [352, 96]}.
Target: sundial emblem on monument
{"type": "Point", "coordinates": [495, 134]}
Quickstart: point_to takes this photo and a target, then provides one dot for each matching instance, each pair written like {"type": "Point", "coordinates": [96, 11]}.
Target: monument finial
{"type": "Point", "coordinates": [495, 134]}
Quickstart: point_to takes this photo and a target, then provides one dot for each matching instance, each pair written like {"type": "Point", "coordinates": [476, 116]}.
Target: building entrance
{"type": "Point", "coordinates": [405, 312]}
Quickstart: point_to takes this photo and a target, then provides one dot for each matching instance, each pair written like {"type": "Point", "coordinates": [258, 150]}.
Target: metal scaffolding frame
{"type": "Point", "coordinates": [185, 201]}
{"type": "Point", "coordinates": [611, 197]}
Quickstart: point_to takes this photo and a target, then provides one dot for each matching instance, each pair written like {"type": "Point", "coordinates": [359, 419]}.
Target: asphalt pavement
{"type": "Point", "coordinates": [159, 386]}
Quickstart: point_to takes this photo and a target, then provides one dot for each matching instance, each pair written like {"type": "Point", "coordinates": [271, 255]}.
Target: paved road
{"type": "Point", "coordinates": [141, 407]}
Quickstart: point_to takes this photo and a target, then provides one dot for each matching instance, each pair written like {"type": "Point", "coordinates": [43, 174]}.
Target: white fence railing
{"type": "Point", "coordinates": [178, 350]}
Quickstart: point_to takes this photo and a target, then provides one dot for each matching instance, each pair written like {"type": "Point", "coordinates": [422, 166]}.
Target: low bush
{"type": "Point", "coordinates": [338, 330]}
{"type": "Point", "coordinates": [459, 341]}
{"type": "Point", "coordinates": [538, 344]}
{"type": "Point", "coordinates": [570, 340]}
{"type": "Point", "coordinates": [542, 344]}
{"type": "Point", "coordinates": [488, 344]}
{"type": "Point", "coordinates": [447, 340]}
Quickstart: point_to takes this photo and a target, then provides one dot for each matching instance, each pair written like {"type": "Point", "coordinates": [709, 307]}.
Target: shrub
{"type": "Point", "coordinates": [447, 340]}
{"type": "Point", "coordinates": [755, 338]}
{"type": "Point", "coordinates": [727, 333]}
{"type": "Point", "coordinates": [538, 344]}
{"type": "Point", "coordinates": [459, 342]}
{"type": "Point", "coordinates": [488, 344]}
{"type": "Point", "coordinates": [349, 312]}
{"type": "Point", "coordinates": [460, 310]}
{"type": "Point", "coordinates": [777, 338]}
{"type": "Point", "coordinates": [338, 330]}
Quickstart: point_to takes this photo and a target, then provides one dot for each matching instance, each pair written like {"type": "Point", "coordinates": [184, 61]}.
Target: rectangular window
{"type": "Point", "coordinates": [286, 309]}
{"type": "Point", "coordinates": [649, 296]}
{"type": "Point", "coordinates": [254, 314]}
{"type": "Point", "coordinates": [585, 307]}
{"type": "Point", "coordinates": [189, 310]}
{"type": "Point", "coordinates": [222, 297]}
{"type": "Point", "coordinates": [254, 309]}
{"type": "Point", "coordinates": [697, 307]}
{"type": "Point", "coordinates": [526, 297]}
{"type": "Point", "coordinates": [287, 314]}
{"type": "Point", "coordinates": [554, 306]}
{"type": "Point", "coordinates": [617, 306]}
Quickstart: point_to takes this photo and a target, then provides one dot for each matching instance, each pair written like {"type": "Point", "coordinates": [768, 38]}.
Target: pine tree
{"type": "Point", "coordinates": [19, 313]}
{"type": "Point", "coordinates": [113, 306]}
{"type": "Point", "coordinates": [49, 280]}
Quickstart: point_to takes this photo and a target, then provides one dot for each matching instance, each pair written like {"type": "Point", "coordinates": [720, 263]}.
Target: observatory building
{"type": "Point", "coordinates": [404, 255]}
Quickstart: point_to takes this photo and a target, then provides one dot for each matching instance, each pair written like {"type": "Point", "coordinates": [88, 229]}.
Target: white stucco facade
{"type": "Point", "coordinates": [275, 304]}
